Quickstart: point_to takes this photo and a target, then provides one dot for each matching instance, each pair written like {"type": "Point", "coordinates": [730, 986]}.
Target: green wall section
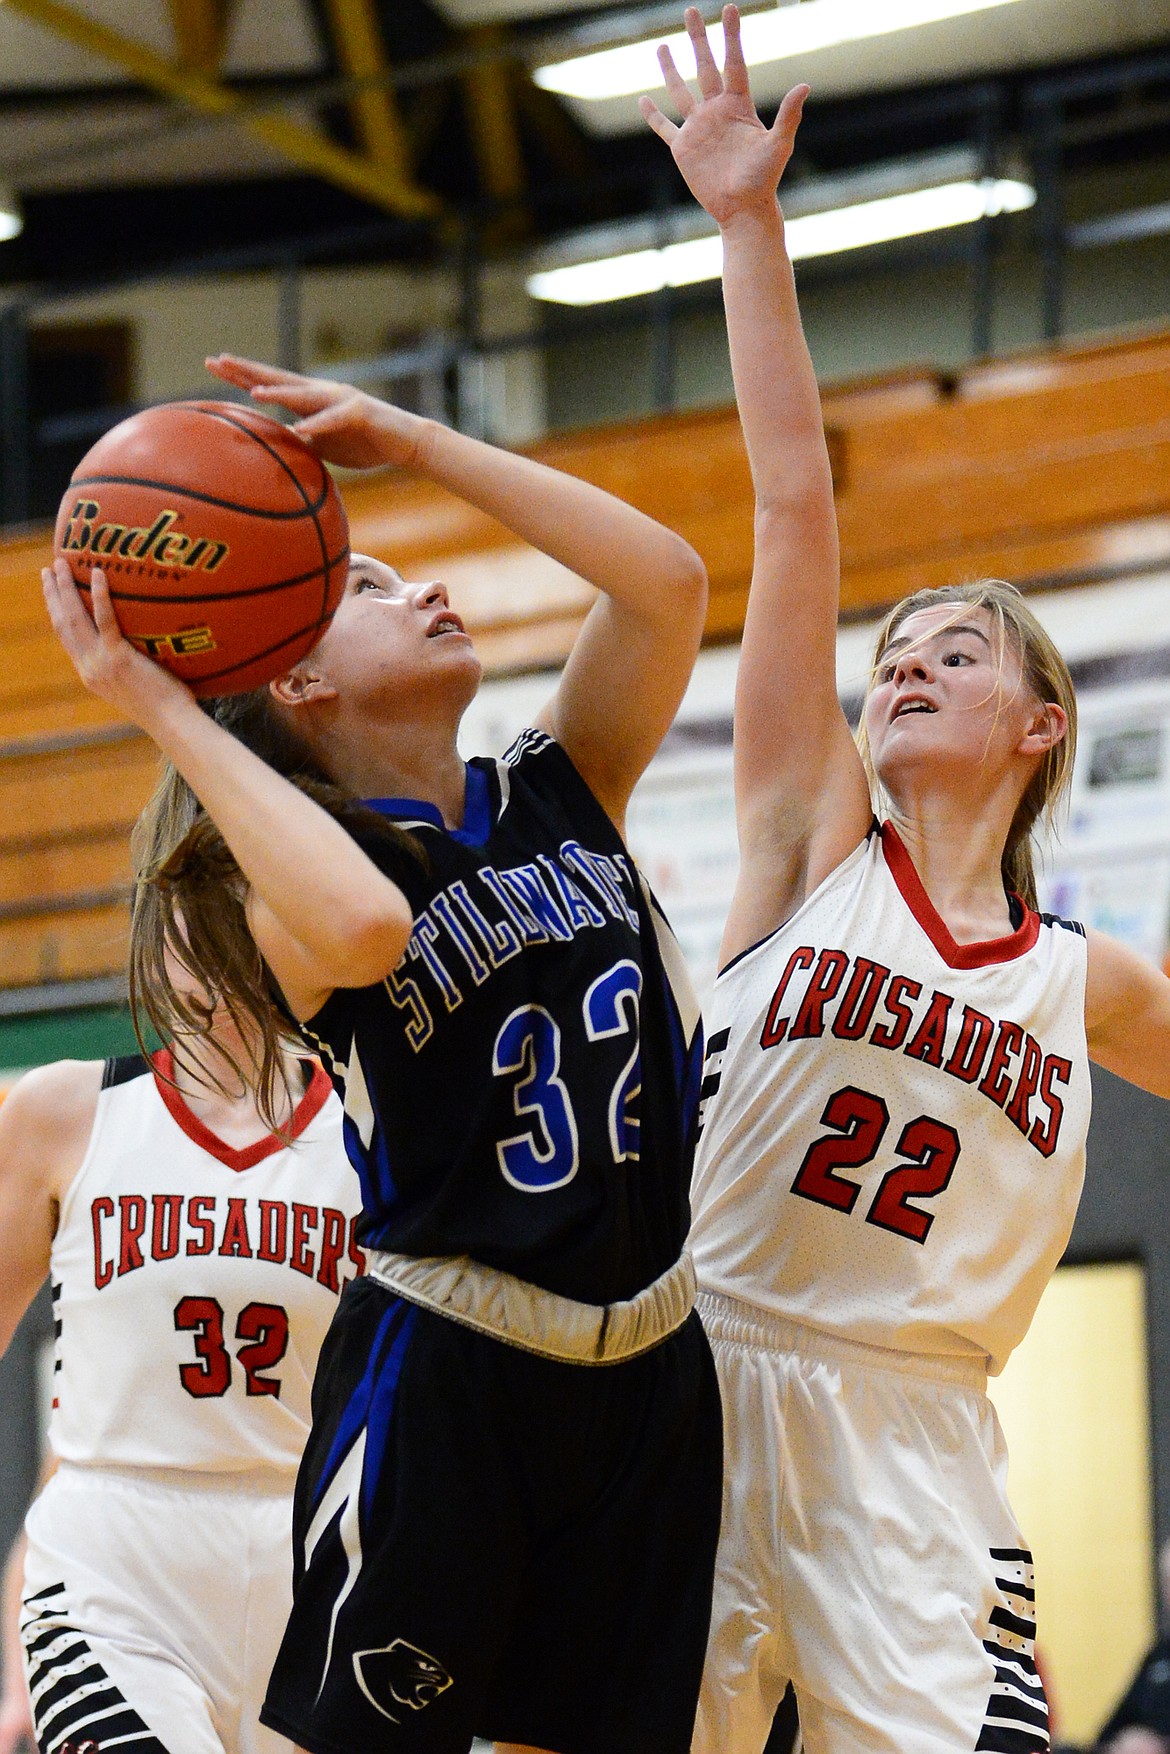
{"type": "Point", "coordinates": [93, 1034]}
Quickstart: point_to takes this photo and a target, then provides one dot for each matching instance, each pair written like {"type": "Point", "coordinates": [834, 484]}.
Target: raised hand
{"type": "Point", "coordinates": [730, 160]}
{"type": "Point", "coordinates": [343, 425]}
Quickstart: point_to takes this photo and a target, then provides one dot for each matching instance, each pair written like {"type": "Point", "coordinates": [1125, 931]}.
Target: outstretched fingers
{"type": "Point", "coordinates": [735, 73]}
{"type": "Point", "coordinates": [662, 125]}
{"type": "Point", "coordinates": [678, 90]}
{"type": "Point", "coordinates": [789, 114]}
{"type": "Point", "coordinates": [247, 372]}
{"type": "Point", "coordinates": [709, 77]}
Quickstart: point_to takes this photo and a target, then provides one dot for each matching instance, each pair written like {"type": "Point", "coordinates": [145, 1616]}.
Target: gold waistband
{"type": "Point", "coordinates": [523, 1315]}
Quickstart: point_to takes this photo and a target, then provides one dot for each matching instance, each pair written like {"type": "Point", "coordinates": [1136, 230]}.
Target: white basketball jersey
{"type": "Point", "coordinates": [193, 1283]}
{"type": "Point", "coordinates": [894, 1124]}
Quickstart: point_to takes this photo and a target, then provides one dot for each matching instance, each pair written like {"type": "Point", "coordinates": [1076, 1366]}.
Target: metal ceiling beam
{"type": "Point", "coordinates": [491, 116]}
{"type": "Point", "coordinates": [301, 146]}
{"type": "Point", "coordinates": [362, 57]}
{"type": "Point", "coordinates": [201, 31]}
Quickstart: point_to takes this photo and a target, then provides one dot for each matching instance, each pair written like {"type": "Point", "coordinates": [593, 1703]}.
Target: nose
{"type": "Point", "coordinates": [912, 666]}
{"type": "Point", "coordinates": [432, 596]}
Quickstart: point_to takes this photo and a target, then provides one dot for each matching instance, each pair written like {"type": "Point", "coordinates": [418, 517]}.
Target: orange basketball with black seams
{"type": "Point", "coordinates": [222, 536]}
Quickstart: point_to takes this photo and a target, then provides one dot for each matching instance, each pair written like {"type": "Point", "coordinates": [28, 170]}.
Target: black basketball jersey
{"type": "Point", "coordinates": [522, 1088]}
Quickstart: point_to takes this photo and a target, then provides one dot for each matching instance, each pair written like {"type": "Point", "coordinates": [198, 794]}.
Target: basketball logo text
{"type": "Point", "coordinates": [84, 534]}
{"type": "Point", "coordinates": [183, 644]}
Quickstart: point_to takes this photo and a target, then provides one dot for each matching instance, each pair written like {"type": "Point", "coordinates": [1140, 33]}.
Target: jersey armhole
{"type": "Point", "coordinates": [863, 846]}
{"type": "Point", "coordinates": [537, 753]}
{"type": "Point", "coordinates": [101, 1108]}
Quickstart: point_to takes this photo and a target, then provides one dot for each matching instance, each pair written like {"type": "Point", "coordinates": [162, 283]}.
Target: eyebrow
{"type": "Point", "coordinates": [953, 628]}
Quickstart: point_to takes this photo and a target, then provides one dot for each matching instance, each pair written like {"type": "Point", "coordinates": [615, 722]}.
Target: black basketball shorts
{"type": "Point", "coordinates": [490, 1543]}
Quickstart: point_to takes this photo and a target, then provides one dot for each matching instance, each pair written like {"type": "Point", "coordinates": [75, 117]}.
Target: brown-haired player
{"type": "Point", "coordinates": [516, 1446]}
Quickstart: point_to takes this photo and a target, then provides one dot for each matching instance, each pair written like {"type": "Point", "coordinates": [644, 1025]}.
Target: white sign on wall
{"type": "Point", "coordinates": [1109, 865]}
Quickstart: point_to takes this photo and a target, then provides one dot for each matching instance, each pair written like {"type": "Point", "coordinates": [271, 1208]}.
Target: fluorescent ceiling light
{"type": "Point", "coordinates": [812, 234]}
{"type": "Point", "coordinates": [774, 35]}
{"type": "Point", "coordinates": [11, 218]}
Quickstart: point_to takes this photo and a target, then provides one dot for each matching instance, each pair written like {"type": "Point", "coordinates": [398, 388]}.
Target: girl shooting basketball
{"type": "Point", "coordinates": [196, 1258]}
{"type": "Point", "coordinates": [897, 1083]}
{"type": "Point", "coordinates": [516, 1448]}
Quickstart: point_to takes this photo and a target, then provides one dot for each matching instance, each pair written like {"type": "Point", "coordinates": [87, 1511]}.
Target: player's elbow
{"type": "Point", "coordinates": [690, 578]}
{"type": "Point", "coordinates": [369, 940]}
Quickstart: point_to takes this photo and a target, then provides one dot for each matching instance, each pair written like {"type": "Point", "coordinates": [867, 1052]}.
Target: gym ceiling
{"type": "Point", "coordinates": [137, 133]}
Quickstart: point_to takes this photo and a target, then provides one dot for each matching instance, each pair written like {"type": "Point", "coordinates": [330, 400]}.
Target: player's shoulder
{"type": "Point", "coordinates": [48, 1115]}
{"type": "Point", "coordinates": [54, 1091]}
{"type": "Point", "coordinates": [540, 769]}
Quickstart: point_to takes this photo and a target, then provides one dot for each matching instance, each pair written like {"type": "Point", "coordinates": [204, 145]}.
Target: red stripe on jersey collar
{"type": "Point", "coordinates": [901, 868]}
{"type": "Point", "coordinates": [307, 1109]}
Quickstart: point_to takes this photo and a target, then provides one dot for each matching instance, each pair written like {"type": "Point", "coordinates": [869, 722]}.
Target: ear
{"type": "Point", "coordinates": [1048, 727]}
{"type": "Point", "coordinates": [302, 686]}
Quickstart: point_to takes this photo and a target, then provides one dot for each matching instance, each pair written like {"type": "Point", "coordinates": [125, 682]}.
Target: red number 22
{"type": "Point", "coordinates": [930, 1146]}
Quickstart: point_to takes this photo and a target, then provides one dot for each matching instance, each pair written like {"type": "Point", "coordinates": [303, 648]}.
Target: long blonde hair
{"type": "Point", "coordinates": [189, 897]}
{"type": "Point", "coordinates": [1044, 672]}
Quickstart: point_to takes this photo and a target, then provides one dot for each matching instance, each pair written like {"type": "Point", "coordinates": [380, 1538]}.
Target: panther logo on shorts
{"type": "Point", "coordinates": [399, 1674]}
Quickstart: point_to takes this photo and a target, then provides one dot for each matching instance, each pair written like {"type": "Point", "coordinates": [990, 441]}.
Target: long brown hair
{"type": "Point", "coordinates": [1044, 672]}
{"type": "Point", "coordinates": [189, 897]}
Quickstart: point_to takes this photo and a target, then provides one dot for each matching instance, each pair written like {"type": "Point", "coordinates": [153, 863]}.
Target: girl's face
{"type": "Point", "coordinates": [394, 642]}
{"type": "Point", "coordinates": [945, 697]}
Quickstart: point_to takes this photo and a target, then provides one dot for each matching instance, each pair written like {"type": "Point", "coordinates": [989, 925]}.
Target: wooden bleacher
{"type": "Point", "coordinates": [1046, 469]}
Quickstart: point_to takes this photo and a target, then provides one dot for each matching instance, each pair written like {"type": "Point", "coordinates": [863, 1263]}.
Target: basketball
{"type": "Point", "coordinates": [222, 536]}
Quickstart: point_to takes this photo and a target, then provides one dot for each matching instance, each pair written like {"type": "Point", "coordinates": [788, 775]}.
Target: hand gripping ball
{"type": "Point", "coordinates": [222, 536]}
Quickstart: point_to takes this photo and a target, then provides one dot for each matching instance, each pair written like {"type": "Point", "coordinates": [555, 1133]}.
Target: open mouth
{"type": "Point", "coordinates": [914, 704]}
{"type": "Point", "coordinates": [445, 623]}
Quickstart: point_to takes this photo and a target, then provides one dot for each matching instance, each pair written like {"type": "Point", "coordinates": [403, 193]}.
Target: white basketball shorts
{"type": "Point", "coordinates": [868, 1552]}
{"type": "Point", "coordinates": [153, 1605]}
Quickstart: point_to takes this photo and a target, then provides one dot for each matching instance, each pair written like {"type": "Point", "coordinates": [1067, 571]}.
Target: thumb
{"type": "Point", "coordinates": [789, 114]}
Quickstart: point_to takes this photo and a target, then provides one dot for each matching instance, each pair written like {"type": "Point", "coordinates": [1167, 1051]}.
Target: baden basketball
{"type": "Point", "coordinates": [222, 535]}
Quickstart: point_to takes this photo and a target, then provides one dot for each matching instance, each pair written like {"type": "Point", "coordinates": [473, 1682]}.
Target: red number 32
{"type": "Point", "coordinates": [929, 1148]}
{"type": "Point", "coordinates": [263, 1325]}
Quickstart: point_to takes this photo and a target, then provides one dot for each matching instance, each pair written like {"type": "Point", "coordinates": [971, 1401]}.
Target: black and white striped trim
{"type": "Point", "coordinates": [712, 1070]}
{"type": "Point", "coordinates": [1016, 1720]}
{"type": "Point", "coordinates": [526, 744]}
{"type": "Point", "coordinates": [75, 1705]}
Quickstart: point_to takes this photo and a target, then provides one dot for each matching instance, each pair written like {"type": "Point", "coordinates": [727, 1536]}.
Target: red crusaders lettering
{"type": "Point", "coordinates": [996, 1081]}
{"type": "Point", "coordinates": [273, 1230]}
{"type": "Point", "coordinates": [931, 1034]}
{"type": "Point", "coordinates": [333, 1229]}
{"type": "Point", "coordinates": [300, 1256]}
{"type": "Point", "coordinates": [1005, 1062]}
{"type": "Point", "coordinates": [859, 1000]}
{"type": "Point", "coordinates": [204, 1240]}
{"type": "Point", "coordinates": [164, 1234]}
{"type": "Point", "coordinates": [827, 977]}
{"type": "Point", "coordinates": [775, 1025]}
{"type": "Point", "coordinates": [1044, 1137]}
{"type": "Point", "coordinates": [103, 1271]}
{"type": "Point", "coordinates": [133, 1210]}
{"type": "Point", "coordinates": [205, 1224]}
{"type": "Point", "coordinates": [970, 1051]}
{"type": "Point", "coordinates": [892, 1036]}
{"type": "Point", "coordinates": [235, 1232]}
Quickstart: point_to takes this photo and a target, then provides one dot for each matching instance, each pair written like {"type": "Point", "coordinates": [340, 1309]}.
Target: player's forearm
{"type": "Point", "coordinates": [633, 559]}
{"type": "Point", "coordinates": [775, 385]}
{"type": "Point", "coordinates": [317, 882]}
